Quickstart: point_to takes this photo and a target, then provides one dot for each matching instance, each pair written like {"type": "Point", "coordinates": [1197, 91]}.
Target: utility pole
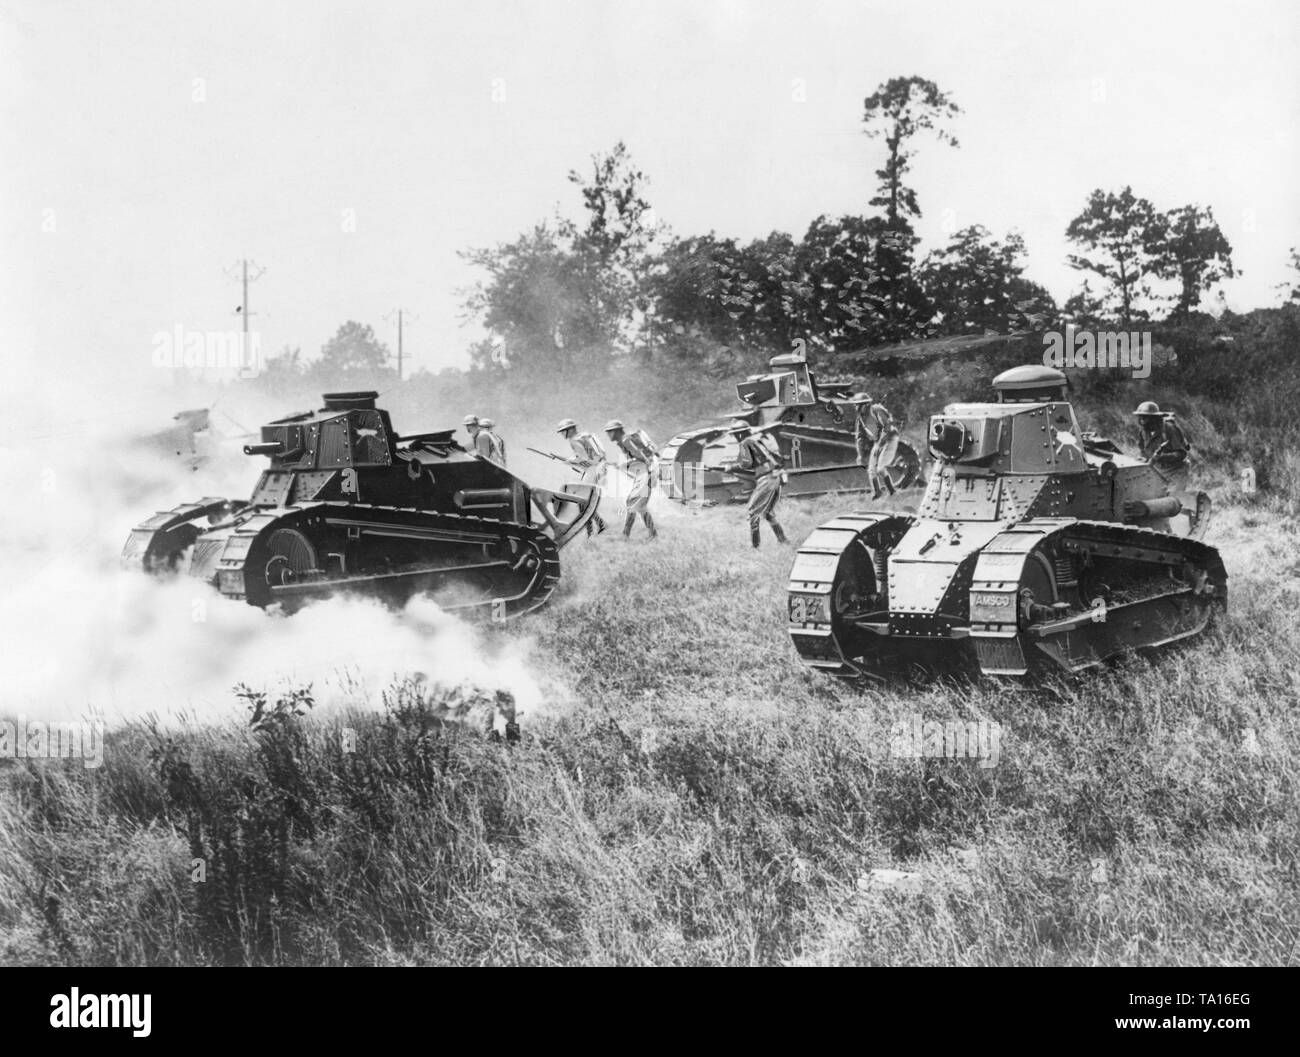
{"type": "Point", "coordinates": [401, 314]}
{"type": "Point", "coordinates": [245, 278]}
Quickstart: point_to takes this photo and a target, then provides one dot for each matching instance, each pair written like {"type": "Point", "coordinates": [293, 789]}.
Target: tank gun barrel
{"type": "Point", "coordinates": [270, 447]}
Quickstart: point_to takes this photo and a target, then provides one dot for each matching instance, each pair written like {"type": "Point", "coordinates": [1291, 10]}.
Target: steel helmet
{"type": "Point", "coordinates": [486, 423]}
{"type": "Point", "coordinates": [471, 420]}
{"type": "Point", "coordinates": [612, 425]}
{"type": "Point", "coordinates": [1147, 407]}
{"type": "Point", "coordinates": [566, 423]}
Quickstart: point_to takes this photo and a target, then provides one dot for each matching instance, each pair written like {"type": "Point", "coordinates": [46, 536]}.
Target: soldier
{"type": "Point", "coordinates": [640, 459]}
{"type": "Point", "coordinates": [757, 458]}
{"type": "Point", "coordinates": [496, 445]}
{"type": "Point", "coordinates": [1163, 444]}
{"type": "Point", "coordinates": [875, 451]}
{"type": "Point", "coordinates": [479, 442]}
{"type": "Point", "coordinates": [589, 458]}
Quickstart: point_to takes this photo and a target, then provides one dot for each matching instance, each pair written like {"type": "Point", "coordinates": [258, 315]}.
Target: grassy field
{"type": "Point", "coordinates": [692, 795]}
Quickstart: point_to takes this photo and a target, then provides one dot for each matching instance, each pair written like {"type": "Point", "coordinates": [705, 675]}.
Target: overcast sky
{"type": "Point", "coordinates": [351, 149]}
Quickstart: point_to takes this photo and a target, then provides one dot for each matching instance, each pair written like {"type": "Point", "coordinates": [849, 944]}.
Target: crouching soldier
{"type": "Point", "coordinates": [756, 458]}
{"type": "Point", "coordinates": [1163, 445]}
{"type": "Point", "coordinates": [876, 449]}
{"type": "Point", "coordinates": [589, 460]}
{"type": "Point", "coordinates": [640, 462]}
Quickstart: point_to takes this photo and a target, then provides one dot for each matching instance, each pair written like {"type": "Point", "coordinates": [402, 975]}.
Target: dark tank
{"type": "Point", "coordinates": [348, 505]}
{"type": "Point", "coordinates": [811, 421]}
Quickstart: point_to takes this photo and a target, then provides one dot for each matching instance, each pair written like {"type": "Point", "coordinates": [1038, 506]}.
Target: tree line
{"type": "Point", "coordinates": [568, 298]}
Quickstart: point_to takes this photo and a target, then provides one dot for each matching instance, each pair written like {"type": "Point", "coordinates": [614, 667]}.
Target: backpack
{"type": "Point", "coordinates": [644, 438]}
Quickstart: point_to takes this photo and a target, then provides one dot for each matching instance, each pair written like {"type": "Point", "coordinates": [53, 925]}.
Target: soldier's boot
{"type": "Point", "coordinates": [628, 522]}
{"type": "Point", "coordinates": [888, 481]}
{"type": "Point", "coordinates": [650, 525]}
{"type": "Point", "coordinates": [777, 532]}
{"type": "Point", "coordinates": [755, 537]}
{"type": "Point", "coordinates": [875, 488]}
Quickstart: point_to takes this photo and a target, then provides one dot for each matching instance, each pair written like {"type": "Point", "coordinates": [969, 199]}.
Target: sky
{"type": "Point", "coordinates": [352, 149]}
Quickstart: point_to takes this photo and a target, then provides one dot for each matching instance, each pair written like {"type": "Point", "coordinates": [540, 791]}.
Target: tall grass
{"type": "Point", "coordinates": [694, 796]}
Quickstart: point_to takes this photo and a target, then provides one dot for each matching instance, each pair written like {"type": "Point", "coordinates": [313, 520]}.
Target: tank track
{"type": "Point", "coordinates": [1062, 591]}
{"type": "Point", "coordinates": [834, 574]}
{"type": "Point", "coordinates": [291, 555]}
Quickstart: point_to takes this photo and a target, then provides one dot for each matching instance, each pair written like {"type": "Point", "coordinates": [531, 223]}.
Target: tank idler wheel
{"type": "Point", "coordinates": [291, 558]}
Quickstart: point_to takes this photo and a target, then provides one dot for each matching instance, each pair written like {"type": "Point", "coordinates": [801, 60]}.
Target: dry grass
{"type": "Point", "coordinates": [697, 797]}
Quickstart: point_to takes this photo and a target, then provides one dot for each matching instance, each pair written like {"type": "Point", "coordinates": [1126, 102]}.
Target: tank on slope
{"type": "Point", "coordinates": [1034, 542]}
{"type": "Point", "coordinates": [812, 423]}
{"type": "Point", "coordinates": [347, 504]}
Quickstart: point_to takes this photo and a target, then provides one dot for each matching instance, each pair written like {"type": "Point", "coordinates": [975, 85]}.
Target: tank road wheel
{"type": "Point", "coordinates": [290, 558]}
{"type": "Point", "coordinates": [836, 597]}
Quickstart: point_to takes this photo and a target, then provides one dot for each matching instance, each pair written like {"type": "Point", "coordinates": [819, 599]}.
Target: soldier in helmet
{"type": "Point", "coordinates": [1163, 444]}
{"type": "Point", "coordinates": [755, 457]}
{"type": "Point", "coordinates": [589, 458]}
{"type": "Point", "coordinates": [640, 460]}
{"type": "Point", "coordinates": [876, 438]}
{"type": "Point", "coordinates": [479, 442]}
{"type": "Point", "coordinates": [496, 446]}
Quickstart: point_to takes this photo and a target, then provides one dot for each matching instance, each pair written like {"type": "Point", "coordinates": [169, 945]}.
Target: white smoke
{"type": "Point", "coordinates": [84, 636]}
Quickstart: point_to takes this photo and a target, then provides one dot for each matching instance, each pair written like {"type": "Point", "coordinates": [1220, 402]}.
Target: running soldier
{"type": "Point", "coordinates": [1163, 445]}
{"type": "Point", "coordinates": [496, 445]}
{"type": "Point", "coordinates": [640, 463]}
{"type": "Point", "coordinates": [755, 457]}
{"type": "Point", "coordinates": [876, 451]}
{"type": "Point", "coordinates": [589, 459]}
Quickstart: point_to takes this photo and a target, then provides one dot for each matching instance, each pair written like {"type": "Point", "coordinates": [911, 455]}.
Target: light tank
{"type": "Point", "coordinates": [348, 505]}
{"type": "Point", "coordinates": [1035, 545]}
{"type": "Point", "coordinates": [810, 421]}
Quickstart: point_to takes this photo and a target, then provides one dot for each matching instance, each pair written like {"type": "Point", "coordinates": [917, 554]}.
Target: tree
{"type": "Point", "coordinates": [898, 110]}
{"type": "Point", "coordinates": [1193, 253]}
{"type": "Point", "coordinates": [975, 285]}
{"type": "Point", "coordinates": [540, 305]}
{"type": "Point", "coordinates": [354, 348]}
{"type": "Point", "coordinates": [1292, 286]}
{"type": "Point", "coordinates": [855, 284]}
{"type": "Point", "coordinates": [570, 296]}
{"type": "Point", "coordinates": [719, 305]}
{"type": "Point", "coordinates": [1125, 237]}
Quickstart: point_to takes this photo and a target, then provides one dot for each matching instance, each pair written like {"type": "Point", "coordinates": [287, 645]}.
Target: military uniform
{"type": "Point", "coordinates": [756, 458]}
{"type": "Point", "coordinates": [1164, 446]}
{"type": "Point", "coordinates": [496, 446]}
{"type": "Point", "coordinates": [589, 458]}
{"type": "Point", "coordinates": [876, 451]}
{"type": "Point", "coordinates": [640, 461]}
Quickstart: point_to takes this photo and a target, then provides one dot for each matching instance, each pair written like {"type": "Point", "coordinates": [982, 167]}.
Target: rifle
{"type": "Point", "coordinates": [550, 455]}
{"type": "Point", "coordinates": [575, 469]}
